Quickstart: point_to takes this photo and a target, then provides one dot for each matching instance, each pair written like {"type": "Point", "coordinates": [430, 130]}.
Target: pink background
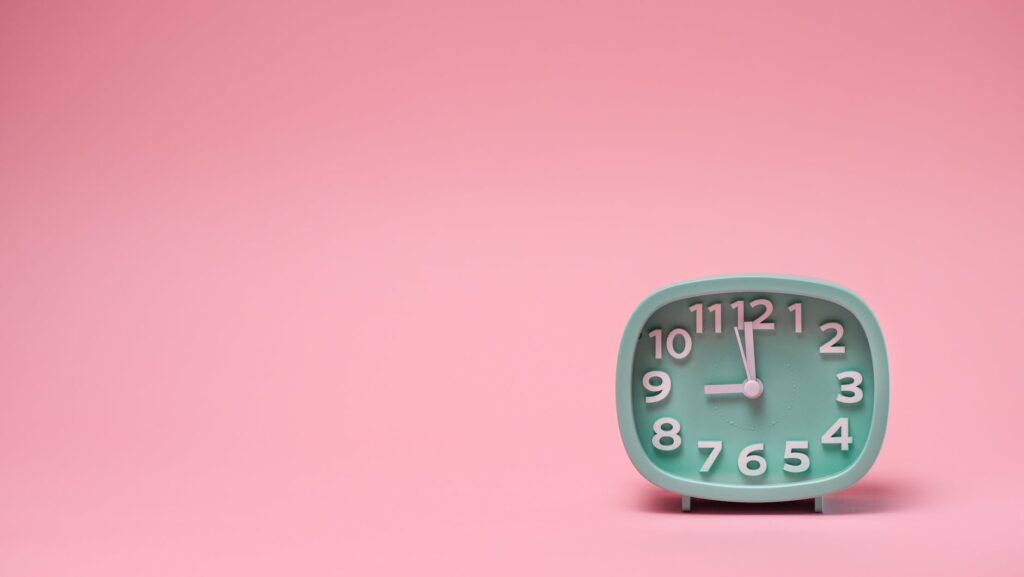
{"type": "Point", "coordinates": [301, 289]}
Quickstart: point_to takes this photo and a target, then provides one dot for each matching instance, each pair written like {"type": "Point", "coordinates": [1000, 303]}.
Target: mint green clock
{"type": "Point", "coordinates": [752, 389]}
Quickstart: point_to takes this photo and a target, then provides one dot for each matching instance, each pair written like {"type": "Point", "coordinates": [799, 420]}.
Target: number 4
{"type": "Point", "coordinates": [838, 434]}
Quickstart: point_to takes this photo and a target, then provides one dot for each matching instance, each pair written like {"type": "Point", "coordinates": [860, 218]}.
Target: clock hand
{"type": "Point", "coordinates": [751, 389]}
{"type": "Point", "coordinates": [743, 355]}
{"type": "Point", "coordinates": [723, 389]}
{"type": "Point", "coordinates": [748, 334]}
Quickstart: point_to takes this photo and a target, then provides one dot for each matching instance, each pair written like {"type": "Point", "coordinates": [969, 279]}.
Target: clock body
{"type": "Point", "coordinates": [752, 388]}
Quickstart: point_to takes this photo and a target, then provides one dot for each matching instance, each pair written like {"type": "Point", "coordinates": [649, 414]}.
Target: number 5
{"type": "Point", "coordinates": [804, 462]}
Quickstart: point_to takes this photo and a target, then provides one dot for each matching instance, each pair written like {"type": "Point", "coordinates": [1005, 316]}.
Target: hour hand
{"type": "Point", "coordinates": [723, 389]}
{"type": "Point", "coordinates": [750, 389]}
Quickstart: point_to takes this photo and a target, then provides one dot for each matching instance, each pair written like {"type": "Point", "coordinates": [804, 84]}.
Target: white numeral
{"type": "Point", "coordinates": [662, 389]}
{"type": "Point", "coordinates": [698, 313]}
{"type": "Point", "coordinates": [716, 449]}
{"type": "Point", "coordinates": [762, 321]}
{"type": "Point", "coordinates": [803, 461]}
{"type": "Point", "coordinates": [853, 387]}
{"type": "Point", "coordinates": [738, 305]}
{"type": "Point", "coordinates": [656, 336]}
{"type": "Point", "coordinates": [832, 347]}
{"type": "Point", "coordinates": [716, 309]}
{"type": "Point", "coordinates": [687, 343]}
{"type": "Point", "coordinates": [671, 433]}
{"type": "Point", "coordinates": [670, 341]}
{"type": "Point", "coordinates": [798, 316]}
{"type": "Point", "coordinates": [746, 458]}
{"type": "Point", "coordinates": [838, 434]}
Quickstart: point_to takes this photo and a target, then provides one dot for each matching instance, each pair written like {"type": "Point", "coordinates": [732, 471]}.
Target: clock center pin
{"type": "Point", "coordinates": [753, 389]}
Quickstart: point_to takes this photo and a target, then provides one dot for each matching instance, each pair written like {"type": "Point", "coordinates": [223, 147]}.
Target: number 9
{"type": "Point", "coordinates": [661, 389]}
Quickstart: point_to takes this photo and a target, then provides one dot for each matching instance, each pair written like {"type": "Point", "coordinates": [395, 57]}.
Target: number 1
{"type": "Point", "coordinates": [738, 305]}
{"type": "Point", "coordinates": [798, 316]}
{"type": "Point", "coordinates": [698, 311]}
{"type": "Point", "coordinates": [717, 310]}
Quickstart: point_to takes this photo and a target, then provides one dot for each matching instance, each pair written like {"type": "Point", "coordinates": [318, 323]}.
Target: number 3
{"type": "Point", "coordinates": [853, 387]}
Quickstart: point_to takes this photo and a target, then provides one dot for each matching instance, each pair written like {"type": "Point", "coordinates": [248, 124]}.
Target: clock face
{"type": "Point", "coordinates": [753, 388]}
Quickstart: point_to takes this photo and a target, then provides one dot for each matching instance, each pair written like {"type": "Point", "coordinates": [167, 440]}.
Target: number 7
{"type": "Point", "coordinates": [716, 449]}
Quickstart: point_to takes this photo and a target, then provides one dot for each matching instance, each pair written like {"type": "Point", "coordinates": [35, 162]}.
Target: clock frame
{"type": "Point", "coordinates": [709, 489]}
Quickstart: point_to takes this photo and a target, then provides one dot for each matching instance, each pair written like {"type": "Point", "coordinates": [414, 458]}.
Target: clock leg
{"type": "Point", "coordinates": [819, 504]}
{"type": "Point", "coordinates": [687, 504]}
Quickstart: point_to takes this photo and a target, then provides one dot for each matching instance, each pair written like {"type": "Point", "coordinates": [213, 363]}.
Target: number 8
{"type": "Point", "coordinates": [671, 433]}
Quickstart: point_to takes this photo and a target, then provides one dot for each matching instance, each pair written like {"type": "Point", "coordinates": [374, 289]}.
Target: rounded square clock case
{"type": "Point", "coordinates": [803, 416]}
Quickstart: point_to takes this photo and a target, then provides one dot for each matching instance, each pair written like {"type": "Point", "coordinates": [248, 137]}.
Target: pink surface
{"type": "Point", "coordinates": [306, 290]}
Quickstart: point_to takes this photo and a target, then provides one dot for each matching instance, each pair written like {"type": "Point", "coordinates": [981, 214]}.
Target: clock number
{"type": "Point", "coordinates": [838, 434]}
{"type": "Point", "coordinates": [747, 457]}
{"type": "Point", "coordinates": [698, 312]}
{"type": "Point", "coordinates": [656, 336]}
{"type": "Point", "coordinates": [716, 450]}
{"type": "Point", "coordinates": [715, 309]}
{"type": "Point", "coordinates": [687, 344]}
{"type": "Point", "coordinates": [798, 317]}
{"type": "Point", "coordinates": [803, 461]}
{"type": "Point", "coordinates": [832, 347]}
{"type": "Point", "coordinates": [661, 389]}
{"type": "Point", "coordinates": [666, 428]}
{"type": "Point", "coordinates": [853, 387]}
{"type": "Point", "coordinates": [762, 321]}
{"type": "Point", "coordinates": [670, 342]}
{"type": "Point", "coordinates": [738, 305]}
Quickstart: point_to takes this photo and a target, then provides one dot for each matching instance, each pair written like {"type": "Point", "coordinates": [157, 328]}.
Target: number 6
{"type": "Point", "coordinates": [746, 458]}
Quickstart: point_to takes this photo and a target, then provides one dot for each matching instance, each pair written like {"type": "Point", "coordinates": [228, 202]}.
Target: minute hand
{"type": "Point", "coordinates": [743, 355]}
{"type": "Point", "coordinates": [748, 338]}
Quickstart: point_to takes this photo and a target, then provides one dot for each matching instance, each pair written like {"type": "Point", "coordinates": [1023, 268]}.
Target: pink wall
{"type": "Point", "coordinates": [301, 289]}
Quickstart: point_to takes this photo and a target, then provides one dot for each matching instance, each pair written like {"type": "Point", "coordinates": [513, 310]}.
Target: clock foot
{"type": "Point", "coordinates": [819, 504]}
{"type": "Point", "coordinates": [687, 504]}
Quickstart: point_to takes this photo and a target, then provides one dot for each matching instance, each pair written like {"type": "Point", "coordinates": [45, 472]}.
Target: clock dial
{"type": "Point", "coordinates": [752, 389]}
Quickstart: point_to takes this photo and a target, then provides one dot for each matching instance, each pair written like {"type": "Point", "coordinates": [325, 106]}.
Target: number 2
{"type": "Point", "coordinates": [762, 321]}
{"type": "Point", "coordinates": [832, 347]}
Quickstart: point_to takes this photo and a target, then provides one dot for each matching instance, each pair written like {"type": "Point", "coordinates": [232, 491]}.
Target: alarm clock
{"type": "Point", "coordinates": [752, 389]}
